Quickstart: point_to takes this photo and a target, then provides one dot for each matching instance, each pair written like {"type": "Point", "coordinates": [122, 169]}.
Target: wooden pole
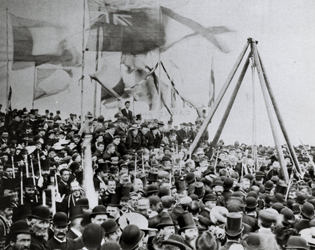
{"type": "Point", "coordinates": [34, 85]}
{"type": "Point", "coordinates": [230, 104]}
{"type": "Point", "coordinates": [7, 60]}
{"type": "Point", "coordinates": [96, 67]}
{"type": "Point", "coordinates": [217, 100]}
{"type": "Point", "coordinates": [82, 68]}
{"type": "Point", "coordinates": [275, 105]}
{"type": "Point", "coordinates": [269, 110]}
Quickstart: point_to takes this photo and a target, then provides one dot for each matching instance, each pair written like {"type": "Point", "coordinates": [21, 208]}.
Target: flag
{"type": "Point", "coordinates": [136, 30]}
{"type": "Point", "coordinates": [211, 86]}
{"type": "Point", "coordinates": [208, 33]}
{"type": "Point", "coordinates": [51, 81]}
{"type": "Point", "coordinates": [41, 42]}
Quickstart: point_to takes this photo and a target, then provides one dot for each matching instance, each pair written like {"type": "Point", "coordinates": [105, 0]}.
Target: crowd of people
{"type": "Point", "coordinates": [145, 190]}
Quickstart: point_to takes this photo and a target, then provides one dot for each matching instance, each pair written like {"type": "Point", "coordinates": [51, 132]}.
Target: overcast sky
{"type": "Point", "coordinates": [284, 29]}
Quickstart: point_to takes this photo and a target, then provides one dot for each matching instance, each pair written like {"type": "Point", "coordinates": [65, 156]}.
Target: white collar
{"type": "Point", "coordinates": [76, 231]}
{"type": "Point", "coordinates": [60, 241]}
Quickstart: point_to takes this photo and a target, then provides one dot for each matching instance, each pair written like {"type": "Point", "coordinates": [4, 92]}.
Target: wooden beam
{"type": "Point", "coordinates": [269, 110]}
{"type": "Point", "coordinates": [218, 100]}
{"type": "Point", "coordinates": [231, 102]}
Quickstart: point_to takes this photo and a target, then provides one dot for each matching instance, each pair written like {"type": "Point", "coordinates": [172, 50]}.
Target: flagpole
{"type": "Point", "coordinates": [159, 106]}
{"type": "Point", "coordinates": [96, 67]}
{"type": "Point", "coordinates": [82, 71]}
{"type": "Point", "coordinates": [34, 85]}
{"type": "Point", "coordinates": [7, 59]}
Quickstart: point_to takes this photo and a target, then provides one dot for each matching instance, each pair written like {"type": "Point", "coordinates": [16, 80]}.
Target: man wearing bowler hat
{"type": "Point", "coordinates": [233, 230]}
{"type": "Point", "coordinates": [19, 236]}
{"type": "Point", "coordinates": [112, 231]}
{"type": "Point", "coordinates": [61, 227]}
{"type": "Point", "coordinates": [39, 220]}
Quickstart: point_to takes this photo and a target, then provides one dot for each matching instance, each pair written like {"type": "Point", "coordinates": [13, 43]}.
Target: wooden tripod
{"type": "Point", "coordinates": [270, 102]}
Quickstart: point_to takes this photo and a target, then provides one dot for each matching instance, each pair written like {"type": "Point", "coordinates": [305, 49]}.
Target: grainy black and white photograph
{"type": "Point", "coordinates": [157, 124]}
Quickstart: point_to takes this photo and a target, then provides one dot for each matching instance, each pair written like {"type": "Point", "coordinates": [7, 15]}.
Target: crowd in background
{"type": "Point", "coordinates": [149, 192]}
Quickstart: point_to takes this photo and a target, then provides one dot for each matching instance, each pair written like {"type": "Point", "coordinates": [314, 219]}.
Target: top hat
{"type": "Point", "coordinates": [40, 213]}
{"type": "Point", "coordinates": [281, 188]}
{"type": "Point", "coordinates": [175, 240]}
{"type": "Point", "coordinates": [296, 242]}
{"type": "Point", "coordinates": [180, 185]}
{"type": "Point", "coordinates": [125, 191]}
{"type": "Point", "coordinates": [114, 200]}
{"type": "Point", "coordinates": [61, 219]}
{"type": "Point", "coordinates": [45, 164]}
{"type": "Point", "coordinates": [92, 236]}
{"type": "Point", "coordinates": [28, 182]}
{"type": "Point", "coordinates": [165, 220]}
{"type": "Point", "coordinates": [19, 227]}
{"type": "Point", "coordinates": [5, 202]}
{"type": "Point", "coordinates": [109, 226]}
{"type": "Point", "coordinates": [199, 189]}
{"type": "Point", "coordinates": [234, 225]}
{"type": "Point", "coordinates": [130, 237]}
{"type": "Point", "coordinates": [152, 177]}
{"type": "Point", "coordinates": [185, 221]}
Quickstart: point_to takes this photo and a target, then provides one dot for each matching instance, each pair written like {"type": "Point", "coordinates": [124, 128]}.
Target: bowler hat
{"type": "Point", "coordinates": [277, 206]}
{"type": "Point", "coordinates": [40, 213]}
{"type": "Point", "coordinates": [61, 219]}
{"type": "Point", "coordinates": [268, 185]}
{"type": "Point", "coordinates": [251, 202]}
{"type": "Point", "coordinates": [228, 183]}
{"type": "Point", "coordinates": [190, 178]}
{"type": "Point", "coordinates": [307, 210]}
{"type": "Point", "coordinates": [209, 197]}
{"type": "Point", "coordinates": [110, 246]}
{"type": "Point", "coordinates": [185, 221]}
{"type": "Point", "coordinates": [206, 241]}
{"type": "Point", "coordinates": [252, 241]}
{"type": "Point", "coordinates": [288, 216]}
{"type": "Point", "coordinates": [109, 226]}
{"type": "Point", "coordinates": [76, 212]}
{"type": "Point", "coordinates": [300, 198]}
{"type": "Point", "coordinates": [234, 225]}
{"type": "Point", "coordinates": [100, 209]}
{"type": "Point", "coordinates": [217, 183]}
{"type": "Point", "coordinates": [19, 227]}
{"type": "Point", "coordinates": [167, 201]}
{"type": "Point", "coordinates": [151, 189]}
{"type": "Point", "coordinates": [296, 242]}
{"type": "Point", "coordinates": [175, 240]}
{"type": "Point", "coordinates": [92, 236]}
{"type": "Point", "coordinates": [130, 237]}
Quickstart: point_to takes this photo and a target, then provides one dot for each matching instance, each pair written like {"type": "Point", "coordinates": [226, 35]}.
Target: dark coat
{"type": "Point", "coordinates": [38, 243]}
{"type": "Point", "coordinates": [68, 245]}
{"type": "Point", "coordinates": [127, 113]}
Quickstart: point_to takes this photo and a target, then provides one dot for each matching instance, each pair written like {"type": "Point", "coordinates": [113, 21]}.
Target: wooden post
{"type": "Point", "coordinates": [269, 110]}
{"type": "Point", "coordinates": [275, 105]}
{"type": "Point", "coordinates": [218, 100]}
{"type": "Point", "coordinates": [82, 67]}
{"type": "Point", "coordinates": [230, 104]}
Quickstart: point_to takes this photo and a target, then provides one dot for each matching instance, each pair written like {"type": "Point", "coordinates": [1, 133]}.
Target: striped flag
{"type": "Point", "coordinates": [211, 86]}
